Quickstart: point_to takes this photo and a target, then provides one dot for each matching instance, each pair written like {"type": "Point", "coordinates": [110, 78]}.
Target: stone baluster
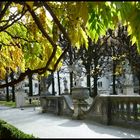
{"type": "Point", "coordinates": [122, 110]}
{"type": "Point", "coordinates": [117, 110]}
{"type": "Point", "coordinates": [135, 111]}
{"type": "Point", "coordinates": [128, 111]}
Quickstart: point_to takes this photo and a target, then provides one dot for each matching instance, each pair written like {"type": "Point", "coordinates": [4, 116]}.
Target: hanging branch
{"type": "Point", "coordinates": [18, 37]}
{"type": "Point", "coordinates": [62, 29]}
{"type": "Point", "coordinates": [2, 12]}
{"type": "Point", "coordinates": [40, 70]}
{"type": "Point", "coordinates": [4, 27]}
{"type": "Point", "coordinates": [38, 23]}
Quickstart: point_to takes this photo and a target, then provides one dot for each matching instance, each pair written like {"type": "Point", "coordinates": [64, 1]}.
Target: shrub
{"type": "Point", "coordinates": [9, 131]}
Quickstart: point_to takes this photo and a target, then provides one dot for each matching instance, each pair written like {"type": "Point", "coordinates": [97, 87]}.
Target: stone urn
{"type": "Point", "coordinates": [79, 94]}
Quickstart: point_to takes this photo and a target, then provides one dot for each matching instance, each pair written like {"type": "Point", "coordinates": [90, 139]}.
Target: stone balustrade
{"type": "Point", "coordinates": [52, 104]}
{"type": "Point", "coordinates": [123, 110]}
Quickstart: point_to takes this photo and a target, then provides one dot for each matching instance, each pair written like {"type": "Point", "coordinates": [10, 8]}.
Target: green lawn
{"type": "Point", "coordinates": [9, 104]}
{"type": "Point", "coordinates": [13, 104]}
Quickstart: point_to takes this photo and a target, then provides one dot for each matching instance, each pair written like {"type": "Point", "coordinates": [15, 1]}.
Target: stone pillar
{"type": "Point", "coordinates": [78, 113]}
{"type": "Point", "coordinates": [79, 94]}
{"type": "Point", "coordinates": [65, 86]}
{"type": "Point", "coordinates": [128, 85]}
{"type": "Point", "coordinates": [20, 99]}
{"type": "Point", "coordinates": [128, 90]}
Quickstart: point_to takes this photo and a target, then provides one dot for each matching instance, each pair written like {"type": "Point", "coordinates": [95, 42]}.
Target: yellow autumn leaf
{"type": "Point", "coordinates": [30, 3]}
{"type": "Point", "coordinates": [2, 73]}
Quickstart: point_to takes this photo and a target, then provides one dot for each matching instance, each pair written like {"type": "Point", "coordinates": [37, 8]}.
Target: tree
{"type": "Point", "coordinates": [94, 59]}
{"type": "Point", "coordinates": [134, 60]}
{"type": "Point", "coordinates": [30, 86]}
{"type": "Point", "coordinates": [68, 58]}
{"type": "Point", "coordinates": [13, 87]}
{"type": "Point", "coordinates": [122, 49]}
{"type": "Point", "coordinates": [117, 53]}
{"type": "Point", "coordinates": [132, 54]}
{"type": "Point", "coordinates": [75, 20]}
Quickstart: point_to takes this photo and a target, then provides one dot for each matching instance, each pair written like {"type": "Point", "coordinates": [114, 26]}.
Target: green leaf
{"type": "Point", "coordinates": [129, 30]}
{"type": "Point", "coordinates": [133, 39]}
{"type": "Point", "coordinates": [138, 46]}
{"type": "Point", "coordinates": [91, 18]}
{"type": "Point", "coordinates": [84, 36]}
{"type": "Point", "coordinates": [96, 37]}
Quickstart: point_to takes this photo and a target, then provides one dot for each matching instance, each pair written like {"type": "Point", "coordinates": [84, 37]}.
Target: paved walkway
{"type": "Point", "coordinates": [45, 125]}
{"type": "Point", "coordinates": [4, 107]}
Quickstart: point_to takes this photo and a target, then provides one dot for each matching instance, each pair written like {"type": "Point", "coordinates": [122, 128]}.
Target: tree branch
{"type": "Point", "coordinates": [41, 70]}
{"type": "Point", "coordinates": [4, 27]}
{"type": "Point", "coordinates": [4, 10]}
{"type": "Point", "coordinates": [38, 23]}
{"type": "Point", "coordinates": [22, 77]}
{"type": "Point", "coordinates": [17, 37]}
{"type": "Point", "coordinates": [62, 29]}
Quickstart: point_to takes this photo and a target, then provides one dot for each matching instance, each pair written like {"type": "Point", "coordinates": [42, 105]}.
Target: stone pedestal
{"type": "Point", "coordinates": [43, 102]}
{"type": "Point", "coordinates": [53, 104]}
{"type": "Point", "coordinates": [79, 94]}
{"type": "Point", "coordinates": [20, 99]}
{"type": "Point", "coordinates": [128, 90]}
{"type": "Point", "coordinates": [66, 91]}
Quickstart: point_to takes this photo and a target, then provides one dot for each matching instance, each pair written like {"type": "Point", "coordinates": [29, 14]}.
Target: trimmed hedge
{"type": "Point", "coordinates": [9, 131]}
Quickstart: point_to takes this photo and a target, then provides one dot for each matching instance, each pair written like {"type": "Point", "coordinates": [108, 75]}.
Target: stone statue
{"type": "Point", "coordinates": [20, 86]}
{"type": "Point", "coordinates": [45, 83]}
{"type": "Point", "coordinates": [77, 68]}
{"type": "Point", "coordinates": [129, 79]}
{"type": "Point", "coordinates": [65, 83]}
{"type": "Point", "coordinates": [79, 93]}
{"type": "Point", "coordinates": [128, 74]}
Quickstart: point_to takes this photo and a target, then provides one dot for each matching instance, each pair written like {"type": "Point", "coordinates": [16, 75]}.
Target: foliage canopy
{"type": "Point", "coordinates": [30, 31]}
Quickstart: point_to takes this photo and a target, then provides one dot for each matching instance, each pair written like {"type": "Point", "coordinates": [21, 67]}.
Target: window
{"type": "Point", "coordinates": [36, 85]}
{"type": "Point", "coordinates": [26, 91]}
{"type": "Point", "coordinates": [99, 84]}
{"type": "Point", "coordinates": [26, 85]}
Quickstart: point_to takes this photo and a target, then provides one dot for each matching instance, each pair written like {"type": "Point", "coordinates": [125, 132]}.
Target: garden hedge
{"type": "Point", "coordinates": [9, 131]}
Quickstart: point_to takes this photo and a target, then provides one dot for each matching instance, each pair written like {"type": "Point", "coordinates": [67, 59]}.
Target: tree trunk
{"type": "Point", "coordinates": [7, 89]}
{"type": "Point", "coordinates": [30, 87]}
{"type": "Point", "coordinates": [71, 73]}
{"type": "Point", "coordinates": [39, 88]}
{"type": "Point", "coordinates": [71, 81]}
{"type": "Point", "coordinates": [89, 82]}
{"type": "Point", "coordinates": [95, 92]}
{"type": "Point", "coordinates": [139, 84]}
{"type": "Point", "coordinates": [53, 85]}
{"type": "Point", "coordinates": [13, 87]}
{"type": "Point", "coordinates": [114, 79]}
{"type": "Point", "coordinates": [58, 78]}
